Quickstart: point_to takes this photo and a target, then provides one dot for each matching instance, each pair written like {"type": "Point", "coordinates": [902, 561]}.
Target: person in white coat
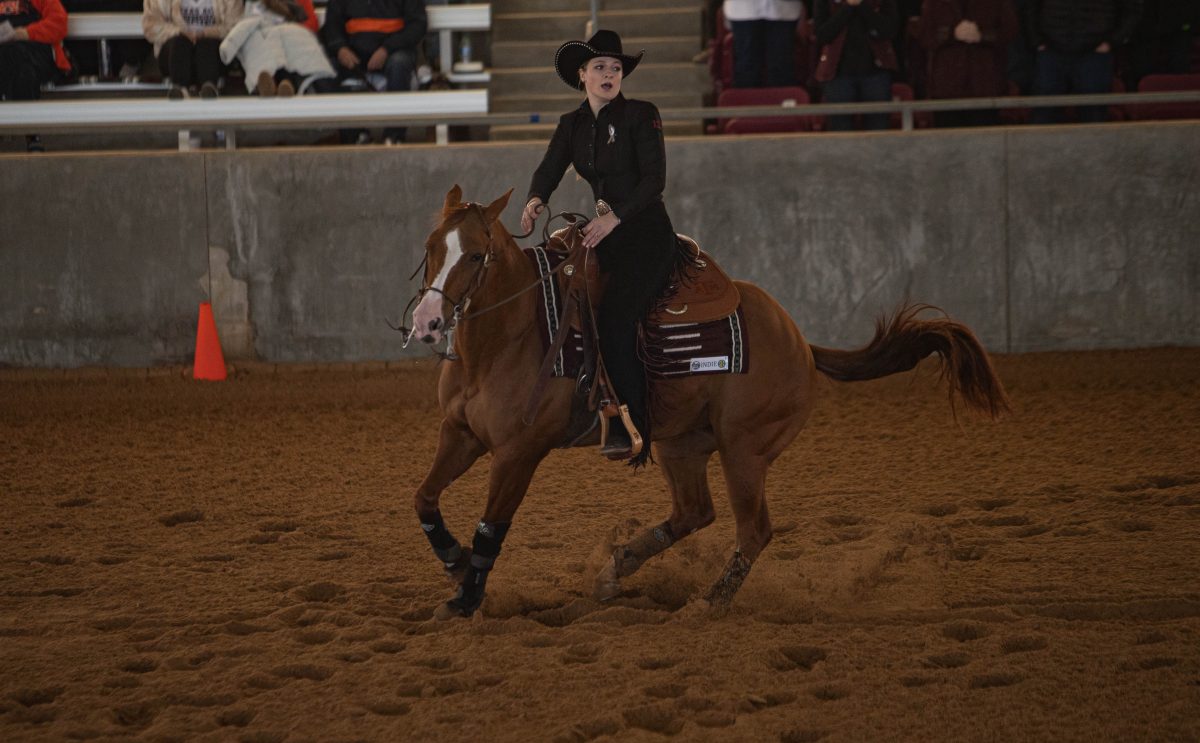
{"type": "Point", "coordinates": [277, 45]}
{"type": "Point", "coordinates": [764, 41]}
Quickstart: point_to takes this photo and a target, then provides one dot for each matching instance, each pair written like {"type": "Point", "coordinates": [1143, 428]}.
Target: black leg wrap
{"type": "Point", "coordinates": [484, 550]}
{"type": "Point", "coordinates": [730, 581]}
{"type": "Point", "coordinates": [644, 546]}
{"type": "Point", "coordinates": [445, 546]}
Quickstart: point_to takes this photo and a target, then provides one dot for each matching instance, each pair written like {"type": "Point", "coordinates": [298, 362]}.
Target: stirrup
{"type": "Point", "coordinates": [621, 446]}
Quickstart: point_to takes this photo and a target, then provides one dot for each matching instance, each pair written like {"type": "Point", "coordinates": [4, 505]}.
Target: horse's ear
{"type": "Point", "coordinates": [493, 210]}
{"type": "Point", "coordinates": [453, 198]}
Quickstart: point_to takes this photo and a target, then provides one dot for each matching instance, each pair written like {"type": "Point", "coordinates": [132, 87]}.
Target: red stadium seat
{"type": "Point", "coordinates": [1161, 84]}
{"type": "Point", "coordinates": [763, 97]}
{"type": "Point", "coordinates": [921, 119]}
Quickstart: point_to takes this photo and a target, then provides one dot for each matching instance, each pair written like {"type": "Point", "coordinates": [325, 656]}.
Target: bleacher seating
{"type": "Point", "coordinates": [792, 96]}
{"type": "Point", "coordinates": [445, 20]}
{"type": "Point", "coordinates": [1164, 83]}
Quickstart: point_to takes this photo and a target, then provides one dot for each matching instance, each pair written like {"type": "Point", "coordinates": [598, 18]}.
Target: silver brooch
{"type": "Point", "coordinates": [612, 134]}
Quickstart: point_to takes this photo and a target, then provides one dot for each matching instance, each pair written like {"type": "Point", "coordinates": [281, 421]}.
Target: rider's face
{"type": "Point", "coordinates": [601, 78]}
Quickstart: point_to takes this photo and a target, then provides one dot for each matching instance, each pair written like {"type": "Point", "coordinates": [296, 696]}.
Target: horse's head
{"type": "Point", "coordinates": [457, 254]}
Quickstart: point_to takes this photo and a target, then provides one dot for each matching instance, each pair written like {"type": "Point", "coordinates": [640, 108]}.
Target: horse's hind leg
{"type": "Point", "coordinates": [457, 450]}
{"type": "Point", "coordinates": [745, 478]}
{"type": "Point", "coordinates": [685, 468]}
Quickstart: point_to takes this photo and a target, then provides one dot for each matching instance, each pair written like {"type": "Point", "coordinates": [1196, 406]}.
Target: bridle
{"type": "Point", "coordinates": [463, 303]}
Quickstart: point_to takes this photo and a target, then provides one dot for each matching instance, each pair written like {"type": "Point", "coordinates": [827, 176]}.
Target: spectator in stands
{"type": "Point", "coordinates": [376, 41]}
{"type": "Point", "coordinates": [1162, 42]}
{"type": "Point", "coordinates": [965, 41]}
{"type": "Point", "coordinates": [1075, 41]}
{"type": "Point", "coordinates": [186, 35]}
{"type": "Point", "coordinates": [1021, 57]}
{"type": "Point", "coordinates": [276, 41]}
{"type": "Point", "coordinates": [764, 37]}
{"type": "Point", "coordinates": [857, 57]}
{"type": "Point", "coordinates": [126, 56]}
{"type": "Point", "coordinates": [31, 53]}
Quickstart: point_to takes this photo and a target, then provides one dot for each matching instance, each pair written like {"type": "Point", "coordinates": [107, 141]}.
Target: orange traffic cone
{"type": "Point", "coordinates": [210, 362]}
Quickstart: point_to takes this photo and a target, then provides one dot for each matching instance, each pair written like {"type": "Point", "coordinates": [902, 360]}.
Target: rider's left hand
{"type": "Point", "coordinates": [598, 229]}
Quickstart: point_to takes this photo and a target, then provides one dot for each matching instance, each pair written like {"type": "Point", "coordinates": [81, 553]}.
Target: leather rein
{"type": "Point", "coordinates": [462, 304]}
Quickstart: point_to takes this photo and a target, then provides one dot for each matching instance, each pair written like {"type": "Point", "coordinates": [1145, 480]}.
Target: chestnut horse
{"type": "Point", "coordinates": [473, 263]}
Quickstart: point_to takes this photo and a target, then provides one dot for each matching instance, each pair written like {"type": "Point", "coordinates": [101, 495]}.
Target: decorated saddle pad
{"type": "Point", "coordinates": [669, 350]}
{"type": "Point", "coordinates": [682, 349]}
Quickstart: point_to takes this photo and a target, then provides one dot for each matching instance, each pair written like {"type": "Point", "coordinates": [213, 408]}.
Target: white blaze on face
{"type": "Point", "coordinates": [430, 308]}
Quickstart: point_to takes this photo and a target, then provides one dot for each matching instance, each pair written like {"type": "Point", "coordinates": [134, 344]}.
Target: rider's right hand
{"type": "Point", "coordinates": [532, 211]}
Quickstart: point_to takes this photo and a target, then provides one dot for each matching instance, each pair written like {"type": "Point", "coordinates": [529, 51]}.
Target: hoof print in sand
{"type": "Point", "coordinates": [991, 504]}
{"type": "Point", "coordinates": [656, 719]}
{"type": "Point", "coordinates": [830, 692]}
{"type": "Point", "coordinates": [791, 657]}
{"type": "Point", "coordinates": [581, 654]}
{"type": "Point", "coordinates": [140, 665]}
{"type": "Point", "coordinates": [390, 647]}
{"type": "Point", "coordinates": [181, 517]}
{"type": "Point", "coordinates": [235, 718]}
{"type": "Point", "coordinates": [947, 660]}
{"type": "Point", "coordinates": [1024, 644]}
{"type": "Point", "coordinates": [1149, 664]}
{"type": "Point", "coordinates": [714, 719]}
{"type": "Point", "coordinates": [939, 510]}
{"type": "Point", "coordinates": [387, 708]}
{"type": "Point", "coordinates": [964, 631]}
{"type": "Point", "coordinates": [54, 560]}
{"type": "Point", "coordinates": [74, 503]}
{"type": "Point", "coordinates": [585, 731]}
{"type": "Point", "coordinates": [35, 697]}
{"type": "Point", "coordinates": [315, 637]}
{"type": "Point", "coordinates": [303, 671]}
{"type": "Point", "coordinates": [320, 592]}
{"type": "Point", "coordinates": [993, 680]}
{"type": "Point", "coordinates": [665, 691]}
{"type": "Point", "coordinates": [657, 664]}
{"type": "Point", "coordinates": [135, 715]}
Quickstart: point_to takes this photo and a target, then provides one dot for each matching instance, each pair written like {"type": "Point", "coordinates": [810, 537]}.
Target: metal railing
{"type": "Point", "coordinates": [448, 108]}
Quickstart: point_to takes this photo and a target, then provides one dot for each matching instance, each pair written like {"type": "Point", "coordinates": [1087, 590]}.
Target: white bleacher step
{"type": "Point", "coordinates": [542, 132]}
{"type": "Point", "coordinates": [562, 26]}
{"type": "Point", "coordinates": [684, 76]}
{"type": "Point", "coordinates": [539, 53]}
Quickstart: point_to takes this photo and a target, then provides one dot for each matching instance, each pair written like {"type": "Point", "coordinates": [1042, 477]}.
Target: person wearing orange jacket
{"type": "Point", "coordinates": [31, 53]}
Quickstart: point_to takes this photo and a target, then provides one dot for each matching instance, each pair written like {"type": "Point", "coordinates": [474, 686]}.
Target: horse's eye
{"type": "Point", "coordinates": [476, 257]}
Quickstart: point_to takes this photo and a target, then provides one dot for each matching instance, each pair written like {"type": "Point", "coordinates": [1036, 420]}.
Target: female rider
{"type": "Point", "coordinates": [616, 144]}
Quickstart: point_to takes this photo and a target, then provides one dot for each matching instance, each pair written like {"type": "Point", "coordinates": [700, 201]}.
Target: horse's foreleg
{"type": "Point", "coordinates": [686, 472]}
{"type": "Point", "coordinates": [510, 477]}
{"type": "Point", "coordinates": [457, 450]}
{"type": "Point", "coordinates": [745, 478]}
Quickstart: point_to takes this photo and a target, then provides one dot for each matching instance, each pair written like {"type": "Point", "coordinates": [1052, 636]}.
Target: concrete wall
{"type": "Point", "coordinates": [1040, 239]}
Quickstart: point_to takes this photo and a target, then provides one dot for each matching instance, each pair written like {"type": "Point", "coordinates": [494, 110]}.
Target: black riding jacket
{"type": "Point", "coordinates": [620, 153]}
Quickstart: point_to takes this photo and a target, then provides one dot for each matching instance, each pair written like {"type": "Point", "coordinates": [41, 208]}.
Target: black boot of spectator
{"type": "Point", "coordinates": [33, 143]}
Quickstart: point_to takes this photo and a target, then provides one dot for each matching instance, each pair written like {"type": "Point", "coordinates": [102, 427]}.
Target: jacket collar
{"type": "Point", "coordinates": [613, 109]}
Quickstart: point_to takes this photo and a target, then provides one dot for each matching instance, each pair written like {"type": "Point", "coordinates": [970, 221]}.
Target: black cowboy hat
{"type": "Point", "coordinates": [573, 54]}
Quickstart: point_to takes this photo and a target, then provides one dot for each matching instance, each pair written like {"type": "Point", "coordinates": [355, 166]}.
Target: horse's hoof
{"type": "Point", "coordinates": [607, 585]}
{"type": "Point", "coordinates": [445, 612]}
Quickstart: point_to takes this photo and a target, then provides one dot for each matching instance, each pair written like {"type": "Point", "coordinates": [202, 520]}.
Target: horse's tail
{"type": "Point", "coordinates": [901, 342]}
